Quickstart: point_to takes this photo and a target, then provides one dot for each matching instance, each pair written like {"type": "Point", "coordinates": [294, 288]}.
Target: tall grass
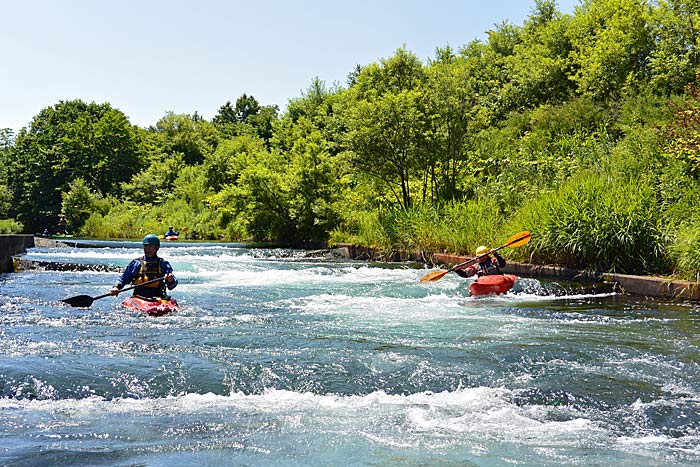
{"type": "Point", "coordinates": [455, 227]}
{"type": "Point", "coordinates": [596, 222]}
{"type": "Point", "coordinates": [685, 251]}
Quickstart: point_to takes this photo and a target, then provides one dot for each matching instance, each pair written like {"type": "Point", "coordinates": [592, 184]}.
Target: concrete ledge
{"type": "Point", "coordinates": [12, 245]}
{"type": "Point", "coordinates": [526, 269]}
{"type": "Point", "coordinates": [645, 286]}
{"type": "Point", "coordinates": [655, 286]}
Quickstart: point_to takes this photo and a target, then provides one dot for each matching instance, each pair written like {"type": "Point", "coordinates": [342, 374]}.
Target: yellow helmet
{"type": "Point", "coordinates": [481, 250]}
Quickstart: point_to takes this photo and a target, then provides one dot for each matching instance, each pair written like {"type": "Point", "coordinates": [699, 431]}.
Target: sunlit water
{"type": "Point", "coordinates": [280, 360]}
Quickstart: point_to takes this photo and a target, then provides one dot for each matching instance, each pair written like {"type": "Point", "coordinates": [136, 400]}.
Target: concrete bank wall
{"type": "Point", "coordinates": [634, 285]}
{"type": "Point", "coordinates": [11, 245]}
{"type": "Point", "coordinates": [645, 286]}
{"type": "Point", "coordinates": [655, 286]}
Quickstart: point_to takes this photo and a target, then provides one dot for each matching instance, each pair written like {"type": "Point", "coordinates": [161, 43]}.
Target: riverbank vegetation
{"type": "Point", "coordinates": [583, 129]}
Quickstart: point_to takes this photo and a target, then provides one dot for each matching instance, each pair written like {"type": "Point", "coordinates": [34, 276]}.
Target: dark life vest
{"type": "Point", "coordinates": [149, 270]}
{"type": "Point", "coordinates": [487, 267]}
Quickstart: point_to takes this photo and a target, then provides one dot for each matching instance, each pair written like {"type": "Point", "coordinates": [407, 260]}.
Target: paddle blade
{"type": "Point", "coordinates": [79, 301]}
{"type": "Point", "coordinates": [518, 239]}
{"type": "Point", "coordinates": [433, 276]}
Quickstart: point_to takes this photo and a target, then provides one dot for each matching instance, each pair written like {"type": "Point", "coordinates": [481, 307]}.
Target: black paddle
{"type": "Point", "coordinates": [84, 301]}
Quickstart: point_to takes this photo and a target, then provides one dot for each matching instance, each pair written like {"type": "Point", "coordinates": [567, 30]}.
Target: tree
{"type": "Point", "coordinates": [246, 107]}
{"type": "Point", "coordinates": [181, 133]}
{"type": "Point", "coordinates": [611, 41]}
{"type": "Point", "coordinates": [675, 60]}
{"type": "Point", "coordinates": [455, 109]}
{"type": "Point", "coordinates": [65, 142]}
{"type": "Point", "coordinates": [682, 134]}
{"type": "Point", "coordinates": [155, 184]}
{"type": "Point", "coordinates": [539, 67]}
{"type": "Point", "coordinates": [6, 143]}
{"type": "Point", "coordinates": [77, 203]}
{"type": "Point", "coordinates": [225, 165]}
{"type": "Point", "coordinates": [386, 123]}
{"type": "Point", "coordinates": [248, 117]}
{"type": "Point", "coordinates": [385, 135]}
{"type": "Point", "coordinates": [225, 116]}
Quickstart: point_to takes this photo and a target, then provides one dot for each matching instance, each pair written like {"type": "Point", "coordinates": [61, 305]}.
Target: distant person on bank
{"type": "Point", "coordinates": [149, 266]}
{"type": "Point", "coordinates": [485, 266]}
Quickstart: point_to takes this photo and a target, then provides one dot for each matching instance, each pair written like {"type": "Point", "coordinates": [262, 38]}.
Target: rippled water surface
{"type": "Point", "coordinates": [281, 360]}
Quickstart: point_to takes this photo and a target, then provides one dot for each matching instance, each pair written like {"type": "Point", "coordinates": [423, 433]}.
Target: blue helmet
{"type": "Point", "coordinates": [151, 239]}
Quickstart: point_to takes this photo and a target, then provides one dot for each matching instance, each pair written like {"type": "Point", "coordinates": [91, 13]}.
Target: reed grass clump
{"type": "Point", "coordinates": [455, 227]}
{"type": "Point", "coordinates": [685, 250]}
{"type": "Point", "coordinates": [594, 222]}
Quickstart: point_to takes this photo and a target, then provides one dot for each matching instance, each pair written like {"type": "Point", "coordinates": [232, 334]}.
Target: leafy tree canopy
{"type": "Point", "coordinates": [70, 140]}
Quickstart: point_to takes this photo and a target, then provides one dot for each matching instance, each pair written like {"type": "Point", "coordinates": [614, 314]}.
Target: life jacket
{"type": "Point", "coordinates": [486, 268]}
{"type": "Point", "coordinates": [149, 270]}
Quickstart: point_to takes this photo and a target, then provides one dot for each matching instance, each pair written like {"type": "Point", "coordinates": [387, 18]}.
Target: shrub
{"type": "Point", "coordinates": [10, 226]}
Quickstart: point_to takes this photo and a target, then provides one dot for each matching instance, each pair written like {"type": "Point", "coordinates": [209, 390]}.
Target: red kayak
{"type": "Point", "coordinates": [171, 238]}
{"type": "Point", "coordinates": [153, 306]}
{"type": "Point", "coordinates": [496, 283]}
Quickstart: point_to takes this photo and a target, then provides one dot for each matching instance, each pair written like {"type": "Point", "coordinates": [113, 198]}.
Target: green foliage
{"type": "Point", "coordinates": [685, 251]}
{"type": "Point", "coordinates": [155, 184]}
{"type": "Point", "coordinates": [192, 137]}
{"type": "Point", "coordinates": [675, 59]}
{"type": "Point", "coordinates": [78, 203]}
{"type": "Point", "coordinates": [457, 227]}
{"type": "Point", "coordinates": [6, 142]}
{"type": "Point", "coordinates": [596, 222]}
{"type": "Point", "coordinates": [68, 141]}
{"type": "Point", "coordinates": [225, 165]}
{"type": "Point", "coordinates": [247, 118]}
{"type": "Point", "coordinates": [132, 221]}
{"type": "Point", "coordinates": [10, 226]}
{"type": "Point", "coordinates": [386, 124]}
{"type": "Point", "coordinates": [682, 133]}
{"type": "Point", "coordinates": [538, 67]}
{"type": "Point", "coordinates": [611, 40]}
{"type": "Point", "coordinates": [385, 135]}
{"type": "Point", "coordinates": [455, 111]}
{"type": "Point", "coordinates": [191, 186]}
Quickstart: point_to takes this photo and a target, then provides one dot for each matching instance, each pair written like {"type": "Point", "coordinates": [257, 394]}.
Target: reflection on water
{"type": "Point", "coordinates": [281, 359]}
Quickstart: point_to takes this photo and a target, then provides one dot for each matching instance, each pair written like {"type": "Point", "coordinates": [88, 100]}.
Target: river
{"type": "Point", "coordinates": [277, 359]}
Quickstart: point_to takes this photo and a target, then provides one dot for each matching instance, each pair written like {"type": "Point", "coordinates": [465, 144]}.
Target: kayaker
{"type": "Point", "coordinates": [486, 264]}
{"type": "Point", "coordinates": [149, 266]}
{"type": "Point", "coordinates": [62, 228]}
{"type": "Point", "coordinates": [171, 232]}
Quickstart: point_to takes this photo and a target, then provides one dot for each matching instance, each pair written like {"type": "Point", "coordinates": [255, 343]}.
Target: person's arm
{"type": "Point", "coordinates": [170, 279]}
{"type": "Point", "coordinates": [500, 259]}
{"type": "Point", "coordinates": [466, 272]}
{"type": "Point", "coordinates": [126, 277]}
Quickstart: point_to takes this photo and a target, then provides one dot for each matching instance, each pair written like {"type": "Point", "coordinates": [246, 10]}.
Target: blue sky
{"type": "Point", "coordinates": [147, 57]}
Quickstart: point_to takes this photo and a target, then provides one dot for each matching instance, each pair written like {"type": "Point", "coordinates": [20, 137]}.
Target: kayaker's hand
{"type": "Point", "coordinates": [114, 291]}
{"type": "Point", "coordinates": [492, 251]}
{"type": "Point", "coordinates": [169, 278]}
